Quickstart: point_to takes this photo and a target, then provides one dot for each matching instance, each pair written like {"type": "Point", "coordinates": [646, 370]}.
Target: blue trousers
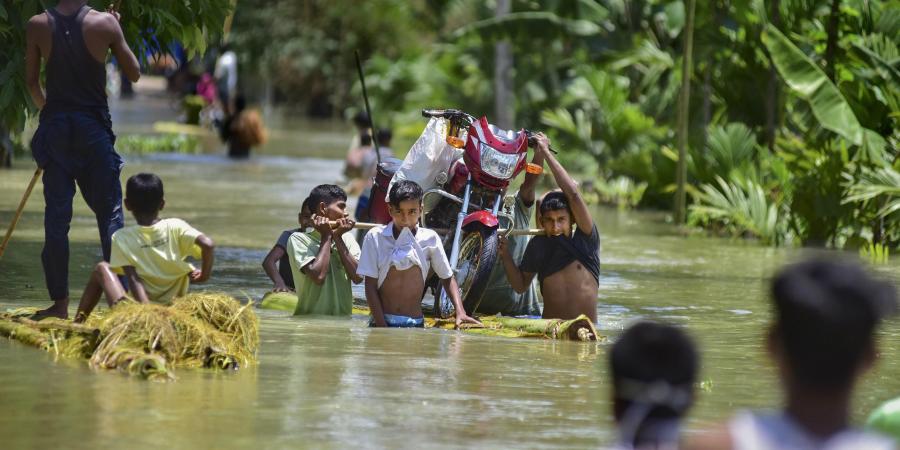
{"type": "Point", "coordinates": [76, 148]}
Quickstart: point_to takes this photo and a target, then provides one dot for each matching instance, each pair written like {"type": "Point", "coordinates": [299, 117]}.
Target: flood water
{"type": "Point", "coordinates": [330, 383]}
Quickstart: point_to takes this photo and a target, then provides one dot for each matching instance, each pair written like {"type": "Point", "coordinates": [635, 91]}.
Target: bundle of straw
{"type": "Point", "coordinates": [198, 330]}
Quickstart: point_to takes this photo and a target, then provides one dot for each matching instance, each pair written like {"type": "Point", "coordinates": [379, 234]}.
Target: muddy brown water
{"type": "Point", "coordinates": [328, 383]}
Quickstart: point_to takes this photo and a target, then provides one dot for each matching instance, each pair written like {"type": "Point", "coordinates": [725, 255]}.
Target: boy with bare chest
{"type": "Point", "coordinates": [565, 260]}
{"type": "Point", "coordinates": [396, 259]}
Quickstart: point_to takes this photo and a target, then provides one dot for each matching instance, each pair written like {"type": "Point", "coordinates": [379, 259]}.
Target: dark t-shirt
{"type": "Point", "coordinates": [284, 264]}
{"type": "Point", "coordinates": [547, 255]}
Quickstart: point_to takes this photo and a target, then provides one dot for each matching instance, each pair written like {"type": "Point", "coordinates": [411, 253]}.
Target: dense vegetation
{"type": "Point", "coordinates": [793, 117]}
{"type": "Point", "coordinates": [794, 135]}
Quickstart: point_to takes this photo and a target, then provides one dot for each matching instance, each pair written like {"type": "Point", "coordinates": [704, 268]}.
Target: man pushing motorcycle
{"type": "Point", "coordinates": [566, 259]}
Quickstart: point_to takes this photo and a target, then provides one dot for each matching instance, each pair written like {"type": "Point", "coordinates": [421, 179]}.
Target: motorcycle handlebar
{"type": "Point", "coordinates": [456, 114]}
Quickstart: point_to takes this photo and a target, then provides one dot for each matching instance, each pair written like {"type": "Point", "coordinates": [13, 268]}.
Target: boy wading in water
{"type": "Point", "coordinates": [396, 259]}
{"type": "Point", "coordinates": [566, 261]}
{"type": "Point", "coordinates": [74, 141]}
{"type": "Point", "coordinates": [324, 261]}
{"type": "Point", "coordinates": [277, 264]}
{"type": "Point", "coordinates": [150, 254]}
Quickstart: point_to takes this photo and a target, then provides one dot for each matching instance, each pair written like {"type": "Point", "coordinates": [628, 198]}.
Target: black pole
{"type": "Point", "coordinates": [362, 81]}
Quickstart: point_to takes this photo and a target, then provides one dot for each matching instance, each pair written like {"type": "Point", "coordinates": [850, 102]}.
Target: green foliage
{"type": "Point", "coordinates": [739, 208]}
{"type": "Point", "coordinates": [149, 27]}
{"type": "Point", "coordinates": [881, 185]}
{"type": "Point", "coordinates": [828, 105]}
{"type": "Point", "coordinates": [620, 191]}
{"type": "Point", "coordinates": [875, 253]}
{"type": "Point", "coordinates": [136, 144]}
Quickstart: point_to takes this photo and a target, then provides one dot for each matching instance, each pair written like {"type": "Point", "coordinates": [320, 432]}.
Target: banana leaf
{"type": "Point", "coordinates": [281, 301]}
{"type": "Point", "coordinates": [828, 105]}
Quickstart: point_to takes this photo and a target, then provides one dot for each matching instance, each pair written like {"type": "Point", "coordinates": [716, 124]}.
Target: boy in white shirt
{"type": "Point", "coordinates": [150, 254]}
{"type": "Point", "coordinates": [396, 259]}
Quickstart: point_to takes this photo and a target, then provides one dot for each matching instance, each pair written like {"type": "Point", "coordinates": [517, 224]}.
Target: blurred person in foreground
{"type": "Point", "coordinates": [653, 368]}
{"type": "Point", "coordinates": [822, 341]}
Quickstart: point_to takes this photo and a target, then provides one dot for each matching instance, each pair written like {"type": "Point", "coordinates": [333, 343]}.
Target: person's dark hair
{"type": "Point", "coordinates": [144, 193]}
{"type": "Point", "coordinates": [327, 194]}
{"type": "Point", "coordinates": [365, 139]}
{"type": "Point", "coordinates": [361, 120]}
{"type": "Point", "coordinates": [554, 201]}
{"type": "Point", "coordinates": [826, 312]}
{"type": "Point", "coordinates": [654, 364]}
{"type": "Point", "coordinates": [404, 190]}
{"type": "Point", "coordinates": [384, 137]}
{"type": "Point", "coordinates": [240, 103]}
{"type": "Point", "coordinates": [305, 205]}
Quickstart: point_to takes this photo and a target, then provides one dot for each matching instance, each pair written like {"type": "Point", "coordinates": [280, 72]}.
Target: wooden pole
{"type": "Point", "coordinates": [18, 214]}
{"type": "Point", "coordinates": [683, 112]}
{"type": "Point", "coordinates": [511, 232]}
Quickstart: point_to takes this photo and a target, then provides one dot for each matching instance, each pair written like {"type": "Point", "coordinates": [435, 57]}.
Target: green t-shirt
{"type": "Point", "coordinates": [333, 297]}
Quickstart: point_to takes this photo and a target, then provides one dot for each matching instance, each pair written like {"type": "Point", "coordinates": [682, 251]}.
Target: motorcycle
{"type": "Point", "coordinates": [464, 204]}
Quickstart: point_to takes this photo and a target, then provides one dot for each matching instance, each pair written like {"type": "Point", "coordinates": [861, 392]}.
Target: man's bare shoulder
{"type": "Point", "coordinates": [101, 21]}
{"type": "Point", "coordinates": [38, 22]}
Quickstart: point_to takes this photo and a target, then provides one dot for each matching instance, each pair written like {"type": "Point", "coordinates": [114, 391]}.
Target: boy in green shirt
{"type": "Point", "coordinates": [324, 261]}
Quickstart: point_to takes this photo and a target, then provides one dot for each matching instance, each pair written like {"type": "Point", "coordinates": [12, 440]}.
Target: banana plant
{"type": "Point", "coordinates": [828, 105]}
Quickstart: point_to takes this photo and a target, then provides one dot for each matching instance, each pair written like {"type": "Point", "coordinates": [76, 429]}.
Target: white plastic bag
{"type": "Point", "coordinates": [428, 157]}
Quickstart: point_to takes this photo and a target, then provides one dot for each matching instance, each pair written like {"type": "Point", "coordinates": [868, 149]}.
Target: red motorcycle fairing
{"type": "Point", "coordinates": [480, 133]}
{"type": "Point", "coordinates": [459, 173]}
{"type": "Point", "coordinates": [484, 217]}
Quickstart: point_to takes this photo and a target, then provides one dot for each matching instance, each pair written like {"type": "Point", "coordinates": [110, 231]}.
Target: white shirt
{"type": "Point", "coordinates": [751, 431]}
{"type": "Point", "coordinates": [380, 251]}
{"type": "Point", "coordinates": [226, 69]}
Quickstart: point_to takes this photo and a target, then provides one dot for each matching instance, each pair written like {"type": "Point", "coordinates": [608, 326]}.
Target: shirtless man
{"type": "Point", "coordinates": [566, 261]}
{"type": "Point", "coordinates": [74, 141]}
{"type": "Point", "coordinates": [396, 259]}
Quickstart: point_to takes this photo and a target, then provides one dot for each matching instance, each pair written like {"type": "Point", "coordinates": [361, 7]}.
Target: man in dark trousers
{"type": "Point", "coordinates": [74, 141]}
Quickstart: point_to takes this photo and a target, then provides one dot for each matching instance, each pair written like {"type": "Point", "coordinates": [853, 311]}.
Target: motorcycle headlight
{"type": "Point", "coordinates": [497, 164]}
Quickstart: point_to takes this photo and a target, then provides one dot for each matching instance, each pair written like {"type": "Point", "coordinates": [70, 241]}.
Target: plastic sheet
{"type": "Point", "coordinates": [429, 157]}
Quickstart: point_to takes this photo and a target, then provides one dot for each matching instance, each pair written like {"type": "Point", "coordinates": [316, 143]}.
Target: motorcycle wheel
{"type": "Point", "coordinates": [477, 255]}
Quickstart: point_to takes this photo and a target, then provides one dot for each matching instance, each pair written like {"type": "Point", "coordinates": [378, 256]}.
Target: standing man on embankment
{"type": "Point", "coordinates": [74, 141]}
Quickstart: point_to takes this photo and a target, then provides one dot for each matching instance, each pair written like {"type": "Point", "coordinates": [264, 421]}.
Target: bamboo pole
{"type": "Point", "coordinates": [60, 326]}
{"type": "Point", "coordinates": [24, 334]}
{"type": "Point", "coordinates": [506, 231]}
{"type": "Point", "coordinates": [18, 214]}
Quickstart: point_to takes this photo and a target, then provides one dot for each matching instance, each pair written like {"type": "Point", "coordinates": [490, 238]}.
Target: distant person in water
{"type": "Point", "coordinates": [277, 262]}
{"type": "Point", "coordinates": [151, 255]}
{"type": "Point", "coordinates": [566, 259]}
{"type": "Point", "coordinates": [653, 368]}
{"type": "Point", "coordinates": [242, 130]}
{"type": "Point", "coordinates": [369, 163]}
{"type": "Point", "coordinates": [362, 132]}
{"type": "Point", "coordinates": [396, 260]}
{"type": "Point", "coordinates": [822, 341]}
{"type": "Point", "coordinates": [74, 139]}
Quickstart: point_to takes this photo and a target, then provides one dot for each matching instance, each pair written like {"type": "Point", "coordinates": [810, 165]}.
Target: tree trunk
{"type": "Point", "coordinates": [707, 101]}
{"type": "Point", "coordinates": [504, 107]}
{"type": "Point", "coordinates": [831, 48]}
{"type": "Point", "coordinates": [773, 88]}
{"type": "Point", "coordinates": [684, 101]}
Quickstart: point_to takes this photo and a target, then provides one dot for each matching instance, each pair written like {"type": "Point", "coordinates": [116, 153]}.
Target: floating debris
{"type": "Point", "coordinates": [200, 330]}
